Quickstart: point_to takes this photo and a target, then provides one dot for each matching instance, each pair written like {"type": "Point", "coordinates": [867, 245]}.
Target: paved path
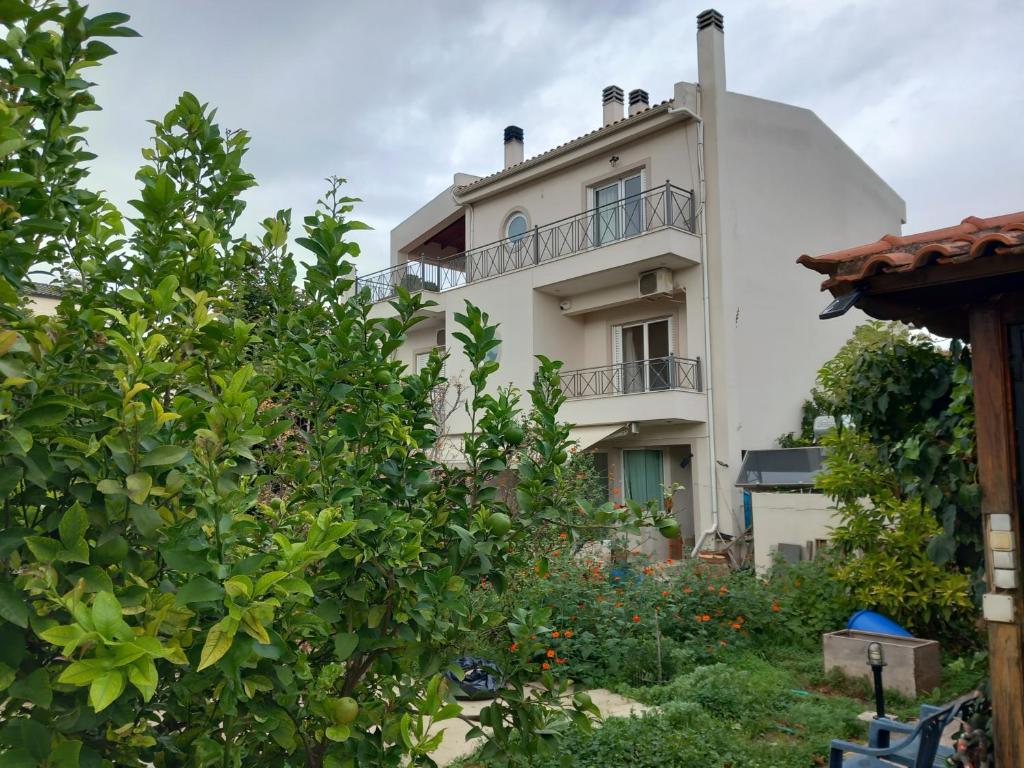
{"type": "Point", "coordinates": [455, 745]}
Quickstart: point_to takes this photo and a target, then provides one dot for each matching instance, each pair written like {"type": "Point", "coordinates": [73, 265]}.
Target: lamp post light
{"type": "Point", "coordinates": [876, 660]}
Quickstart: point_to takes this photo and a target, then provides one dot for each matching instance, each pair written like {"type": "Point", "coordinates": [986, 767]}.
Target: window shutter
{"type": "Point", "coordinates": [617, 359]}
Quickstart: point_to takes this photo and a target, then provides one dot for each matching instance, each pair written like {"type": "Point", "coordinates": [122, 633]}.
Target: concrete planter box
{"type": "Point", "coordinates": [912, 665]}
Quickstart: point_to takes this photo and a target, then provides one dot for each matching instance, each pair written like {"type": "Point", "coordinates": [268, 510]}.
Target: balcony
{"type": "Point", "coordinates": [655, 375]}
{"type": "Point", "coordinates": [663, 208]}
{"type": "Point", "coordinates": [664, 390]}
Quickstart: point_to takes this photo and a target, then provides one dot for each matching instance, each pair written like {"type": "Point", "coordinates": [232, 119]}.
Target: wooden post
{"type": "Point", "coordinates": [997, 469]}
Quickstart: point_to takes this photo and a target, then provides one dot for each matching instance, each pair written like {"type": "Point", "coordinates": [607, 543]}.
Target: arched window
{"type": "Point", "coordinates": [516, 228]}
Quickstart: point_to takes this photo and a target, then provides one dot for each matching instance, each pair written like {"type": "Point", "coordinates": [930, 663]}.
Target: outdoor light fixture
{"type": "Point", "coordinates": [841, 304]}
{"type": "Point", "coordinates": [876, 660]}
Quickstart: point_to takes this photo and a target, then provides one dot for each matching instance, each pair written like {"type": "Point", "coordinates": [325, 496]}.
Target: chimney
{"type": "Point", "coordinates": [711, 52]}
{"type": "Point", "coordinates": [611, 98]}
{"type": "Point", "coordinates": [638, 101]}
{"type": "Point", "coordinates": [513, 145]}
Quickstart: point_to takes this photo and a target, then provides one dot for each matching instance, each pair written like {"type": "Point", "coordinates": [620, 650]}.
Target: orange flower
{"type": "Point", "coordinates": [545, 665]}
{"type": "Point", "coordinates": [568, 633]}
{"type": "Point", "coordinates": [556, 633]}
{"type": "Point", "coordinates": [618, 604]}
{"type": "Point", "coordinates": [514, 647]}
{"type": "Point", "coordinates": [705, 617]}
{"type": "Point", "coordinates": [665, 593]}
{"type": "Point", "coordinates": [550, 654]}
{"type": "Point", "coordinates": [669, 561]}
{"type": "Point", "coordinates": [776, 607]}
{"type": "Point", "coordinates": [648, 570]}
{"type": "Point", "coordinates": [560, 661]}
{"type": "Point", "coordinates": [711, 587]}
{"type": "Point", "coordinates": [723, 589]}
{"type": "Point", "coordinates": [563, 535]}
{"type": "Point", "coordinates": [556, 553]}
{"type": "Point", "coordinates": [636, 618]}
{"type": "Point", "coordinates": [687, 590]}
{"type": "Point", "coordinates": [737, 625]}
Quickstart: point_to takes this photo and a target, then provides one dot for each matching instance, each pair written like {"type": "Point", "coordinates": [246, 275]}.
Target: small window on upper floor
{"type": "Point", "coordinates": [516, 228]}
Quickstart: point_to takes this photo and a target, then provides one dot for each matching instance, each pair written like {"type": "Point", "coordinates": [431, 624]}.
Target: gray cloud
{"type": "Point", "coordinates": [396, 96]}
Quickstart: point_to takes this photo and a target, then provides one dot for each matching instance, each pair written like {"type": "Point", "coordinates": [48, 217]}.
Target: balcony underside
{"type": "Point", "coordinates": [618, 262]}
{"type": "Point", "coordinates": [671, 406]}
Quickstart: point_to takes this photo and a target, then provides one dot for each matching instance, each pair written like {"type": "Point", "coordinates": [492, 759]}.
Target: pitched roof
{"type": "Point", "coordinates": [566, 146]}
{"type": "Point", "coordinates": [45, 289]}
{"type": "Point", "coordinates": [974, 238]}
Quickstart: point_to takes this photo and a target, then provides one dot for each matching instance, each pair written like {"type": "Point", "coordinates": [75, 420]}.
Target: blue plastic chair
{"type": "Point", "coordinates": [920, 748]}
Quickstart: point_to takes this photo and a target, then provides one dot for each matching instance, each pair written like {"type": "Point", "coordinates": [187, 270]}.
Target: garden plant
{"type": "Point", "coordinates": [224, 538]}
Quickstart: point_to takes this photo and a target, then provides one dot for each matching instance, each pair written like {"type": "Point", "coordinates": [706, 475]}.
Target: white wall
{"type": "Point", "coordinates": [789, 518]}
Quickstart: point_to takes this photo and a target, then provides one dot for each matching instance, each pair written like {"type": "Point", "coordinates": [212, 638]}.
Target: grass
{"type": "Point", "coordinates": [773, 708]}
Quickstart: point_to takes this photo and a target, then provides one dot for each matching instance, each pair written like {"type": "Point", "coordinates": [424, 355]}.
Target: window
{"type": "Point", "coordinates": [618, 209]}
{"type": "Point", "coordinates": [643, 356]}
{"type": "Point", "coordinates": [422, 358]}
{"type": "Point", "coordinates": [516, 228]}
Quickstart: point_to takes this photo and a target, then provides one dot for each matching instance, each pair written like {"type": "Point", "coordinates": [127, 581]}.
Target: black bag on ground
{"type": "Point", "coordinates": [481, 678]}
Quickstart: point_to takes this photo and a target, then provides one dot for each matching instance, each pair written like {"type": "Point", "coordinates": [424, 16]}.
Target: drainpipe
{"type": "Point", "coordinates": [705, 284]}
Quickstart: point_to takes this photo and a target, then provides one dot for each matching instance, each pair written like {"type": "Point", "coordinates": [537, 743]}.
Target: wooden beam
{"type": "Point", "coordinates": [997, 475]}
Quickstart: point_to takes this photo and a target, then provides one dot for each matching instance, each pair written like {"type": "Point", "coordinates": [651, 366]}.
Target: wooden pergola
{"type": "Point", "coordinates": [967, 281]}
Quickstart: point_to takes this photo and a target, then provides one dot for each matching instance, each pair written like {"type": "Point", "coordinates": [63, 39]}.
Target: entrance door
{"type": "Point", "coordinates": [643, 474]}
{"type": "Point", "coordinates": [643, 355]}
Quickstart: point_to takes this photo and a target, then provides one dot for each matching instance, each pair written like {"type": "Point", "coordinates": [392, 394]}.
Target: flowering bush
{"type": "Point", "coordinates": [643, 623]}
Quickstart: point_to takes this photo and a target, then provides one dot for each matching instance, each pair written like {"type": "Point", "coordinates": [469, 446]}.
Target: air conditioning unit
{"type": "Point", "coordinates": [655, 282]}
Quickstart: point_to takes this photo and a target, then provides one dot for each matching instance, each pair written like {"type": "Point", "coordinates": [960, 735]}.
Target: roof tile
{"type": "Point", "coordinates": [973, 238]}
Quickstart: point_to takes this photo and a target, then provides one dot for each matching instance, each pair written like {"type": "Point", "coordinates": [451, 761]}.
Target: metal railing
{"type": "Point", "coordinates": [662, 207]}
{"type": "Point", "coordinates": [654, 375]}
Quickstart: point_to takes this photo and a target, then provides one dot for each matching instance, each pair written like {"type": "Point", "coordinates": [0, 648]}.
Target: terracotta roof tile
{"type": "Point", "coordinates": [973, 238]}
{"type": "Point", "coordinates": [661, 106]}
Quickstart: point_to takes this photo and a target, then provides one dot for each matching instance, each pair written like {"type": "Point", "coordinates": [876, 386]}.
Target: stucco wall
{"type": "Point", "coordinates": [669, 154]}
{"type": "Point", "coordinates": [790, 186]}
{"type": "Point", "coordinates": [43, 305]}
{"type": "Point", "coordinates": [789, 518]}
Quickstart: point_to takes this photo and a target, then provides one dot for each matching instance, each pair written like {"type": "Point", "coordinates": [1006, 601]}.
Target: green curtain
{"type": "Point", "coordinates": [643, 475]}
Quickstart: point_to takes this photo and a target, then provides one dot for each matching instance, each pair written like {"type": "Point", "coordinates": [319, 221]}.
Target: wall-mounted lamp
{"type": "Point", "coordinates": [613, 160]}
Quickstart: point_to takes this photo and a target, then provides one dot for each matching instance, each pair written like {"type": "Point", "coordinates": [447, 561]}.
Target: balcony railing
{"type": "Point", "coordinates": [654, 375]}
{"type": "Point", "coordinates": [664, 207]}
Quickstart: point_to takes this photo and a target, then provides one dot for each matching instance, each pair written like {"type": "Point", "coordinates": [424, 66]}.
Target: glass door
{"type": "Point", "coordinates": [643, 355]}
{"type": "Point", "coordinates": [606, 201]}
{"type": "Point", "coordinates": [643, 475]}
{"type": "Point", "coordinates": [618, 209]}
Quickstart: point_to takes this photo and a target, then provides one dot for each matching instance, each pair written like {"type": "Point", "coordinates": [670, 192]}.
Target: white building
{"type": "Point", "coordinates": [654, 257]}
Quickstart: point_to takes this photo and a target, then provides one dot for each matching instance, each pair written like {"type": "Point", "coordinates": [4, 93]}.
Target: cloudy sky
{"type": "Point", "coordinates": [396, 95]}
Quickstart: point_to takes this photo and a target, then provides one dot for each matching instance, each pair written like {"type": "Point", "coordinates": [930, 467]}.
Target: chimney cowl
{"type": "Point", "coordinates": [710, 18]}
{"type": "Point", "coordinates": [514, 149]}
{"type": "Point", "coordinates": [639, 100]}
{"type": "Point", "coordinates": [513, 133]}
{"type": "Point", "coordinates": [611, 93]}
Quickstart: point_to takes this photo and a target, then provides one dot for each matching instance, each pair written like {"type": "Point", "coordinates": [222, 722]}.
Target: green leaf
{"type": "Point", "coordinates": [142, 674]}
{"type": "Point", "coordinates": [43, 415]}
{"type": "Point", "coordinates": [73, 525]}
{"type": "Point", "coordinates": [44, 548]}
{"type": "Point", "coordinates": [7, 676]}
{"type": "Point", "coordinates": [268, 580]}
{"type": "Point", "coordinates": [345, 644]}
{"type": "Point", "coordinates": [12, 605]}
{"type": "Point", "coordinates": [199, 590]}
{"type": "Point", "coordinates": [105, 689]}
{"type": "Point", "coordinates": [139, 485]}
{"type": "Point", "coordinates": [164, 455]}
{"type": "Point", "coordinates": [67, 636]}
{"type": "Point", "coordinates": [66, 755]}
{"type": "Point", "coordinates": [106, 615]}
{"type": "Point", "coordinates": [218, 641]}
{"type": "Point", "coordinates": [17, 179]}
{"type": "Point", "coordinates": [82, 673]}
{"type": "Point", "coordinates": [35, 688]}
{"type": "Point", "coordinates": [109, 487]}
{"type": "Point", "coordinates": [375, 616]}
{"type": "Point", "coordinates": [254, 628]}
